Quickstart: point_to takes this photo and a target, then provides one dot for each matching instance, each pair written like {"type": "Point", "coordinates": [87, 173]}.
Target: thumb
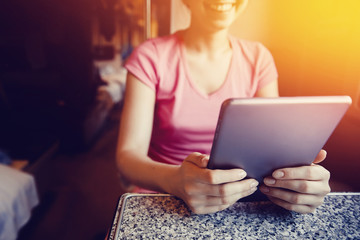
{"type": "Point", "coordinates": [320, 157]}
{"type": "Point", "coordinates": [198, 159]}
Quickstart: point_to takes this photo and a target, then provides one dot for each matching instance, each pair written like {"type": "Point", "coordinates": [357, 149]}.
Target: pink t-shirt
{"type": "Point", "coordinates": [185, 118]}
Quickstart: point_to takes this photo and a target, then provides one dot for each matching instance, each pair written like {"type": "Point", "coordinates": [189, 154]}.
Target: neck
{"type": "Point", "coordinates": [207, 42]}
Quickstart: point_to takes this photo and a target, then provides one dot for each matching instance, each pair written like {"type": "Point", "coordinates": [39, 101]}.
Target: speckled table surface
{"type": "Point", "coordinates": [161, 216]}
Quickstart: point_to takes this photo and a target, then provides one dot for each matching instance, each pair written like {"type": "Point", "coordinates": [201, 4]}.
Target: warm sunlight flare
{"type": "Point", "coordinates": [315, 43]}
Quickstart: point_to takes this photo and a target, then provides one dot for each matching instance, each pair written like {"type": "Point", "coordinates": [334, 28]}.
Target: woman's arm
{"type": "Point", "coordinates": [203, 190]}
{"type": "Point", "coordinates": [134, 138]}
{"type": "Point", "coordinates": [269, 90]}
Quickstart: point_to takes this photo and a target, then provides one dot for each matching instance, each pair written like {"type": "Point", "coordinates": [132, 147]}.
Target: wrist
{"type": "Point", "coordinates": [169, 183]}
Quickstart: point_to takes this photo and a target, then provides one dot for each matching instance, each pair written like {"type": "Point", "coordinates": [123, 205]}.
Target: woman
{"type": "Point", "coordinates": [175, 87]}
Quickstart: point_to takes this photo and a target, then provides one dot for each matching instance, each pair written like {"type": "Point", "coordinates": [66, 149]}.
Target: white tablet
{"type": "Point", "coordinates": [260, 135]}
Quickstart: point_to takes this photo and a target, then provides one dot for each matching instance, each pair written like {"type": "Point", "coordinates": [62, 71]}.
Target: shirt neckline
{"type": "Point", "coordinates": [187, 71]}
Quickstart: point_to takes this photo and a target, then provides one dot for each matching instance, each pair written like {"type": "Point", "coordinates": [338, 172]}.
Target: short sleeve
{"type": "Point", "coordinates": [266, 69]}
{"type": "Point", "coordinates": [142, 64]}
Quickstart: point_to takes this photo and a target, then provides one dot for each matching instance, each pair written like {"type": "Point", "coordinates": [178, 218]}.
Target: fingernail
{"type": "Point", "coordinates": [242, 174]}
{"type": "Point", "coordinates": [205, 158]}
{"type": "Point", "coordinates": [269, 181]}
{"type": "Point", "coordinates": [264, 189]}
{"type": "Point", "coordinates": [278, 174]}
{"type": "Point", "coordinates": [254, 184]}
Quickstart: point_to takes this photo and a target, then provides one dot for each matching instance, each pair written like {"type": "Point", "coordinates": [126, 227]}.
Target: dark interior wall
{"type": "Point", "coordinates": [47, 78]}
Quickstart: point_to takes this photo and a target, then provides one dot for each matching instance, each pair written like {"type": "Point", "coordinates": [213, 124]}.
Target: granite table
{"type": "Point", "coordinates": [162, 216]}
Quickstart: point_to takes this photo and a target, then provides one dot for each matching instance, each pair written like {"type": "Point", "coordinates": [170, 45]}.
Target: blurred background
{"type": "Point", "coordinates": [62, 85]}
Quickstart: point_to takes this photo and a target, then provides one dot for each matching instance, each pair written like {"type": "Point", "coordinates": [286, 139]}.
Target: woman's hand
{"type": "Point", "coordinates": [300, 189]}
{"type": "Point", "coordinates": [207, 191]}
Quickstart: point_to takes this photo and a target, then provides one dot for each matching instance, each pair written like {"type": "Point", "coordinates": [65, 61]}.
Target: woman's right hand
{"type": "Point", "coordinates": [207, 191]}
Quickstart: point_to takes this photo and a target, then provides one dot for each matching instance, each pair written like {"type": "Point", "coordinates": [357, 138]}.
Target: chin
{"type": "Point", "coordinates": [219, 26]}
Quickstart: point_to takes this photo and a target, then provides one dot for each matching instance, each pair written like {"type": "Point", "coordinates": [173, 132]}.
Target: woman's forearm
{"type": "Point", "coordinates": [142, 171]}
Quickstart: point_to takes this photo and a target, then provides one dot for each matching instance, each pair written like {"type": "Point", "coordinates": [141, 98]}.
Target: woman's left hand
{"type": "Point", "coordinates": [299, 189]}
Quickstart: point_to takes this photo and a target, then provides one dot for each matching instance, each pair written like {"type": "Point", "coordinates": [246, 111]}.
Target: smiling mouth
{"type": "Point", "coordinates": [220, 6]}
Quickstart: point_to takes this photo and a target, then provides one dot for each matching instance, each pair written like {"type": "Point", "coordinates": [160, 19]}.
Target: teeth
{"type": "Point", "coordinates": [221, 7]}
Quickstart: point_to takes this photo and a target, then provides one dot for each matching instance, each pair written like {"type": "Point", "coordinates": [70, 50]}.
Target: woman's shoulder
{"type": "Point", "coordinates": [248, 45]}
{"type": "Point", "coordinates": [252, 51]}
{"type": "Point", "coordinates": [160, 44]}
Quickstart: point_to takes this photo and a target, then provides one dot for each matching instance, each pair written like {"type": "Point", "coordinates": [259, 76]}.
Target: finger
{"type": "Point", "coordinates": [312, 173]}
{"type": "Point", "coordinates": [320, 157]}
{"type": "Point", "coordinates": [300, 186]}
{"type": "Point", "coordinates": [215, 204]}
{"type": "Point", "coordinates": [217, 176]}
{"type": "Point", "coordinates": [223, 190]}
{"type": "Point", "coordinates": [292, 207]}
{"type": "Point", "coordinates": [240, 187]}
{"type": "Point", "coordinates": [199, 201]}
{"type": "Point", "coordinates": [293, 197]}
{"type": "Point", "coordinates": [200, 160]}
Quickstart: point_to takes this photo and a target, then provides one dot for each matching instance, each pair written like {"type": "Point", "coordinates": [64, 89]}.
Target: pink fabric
{"type": "Point", "coordinates": [185, 119]}
{"type": "Point", "coordinates": [142, 190]}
